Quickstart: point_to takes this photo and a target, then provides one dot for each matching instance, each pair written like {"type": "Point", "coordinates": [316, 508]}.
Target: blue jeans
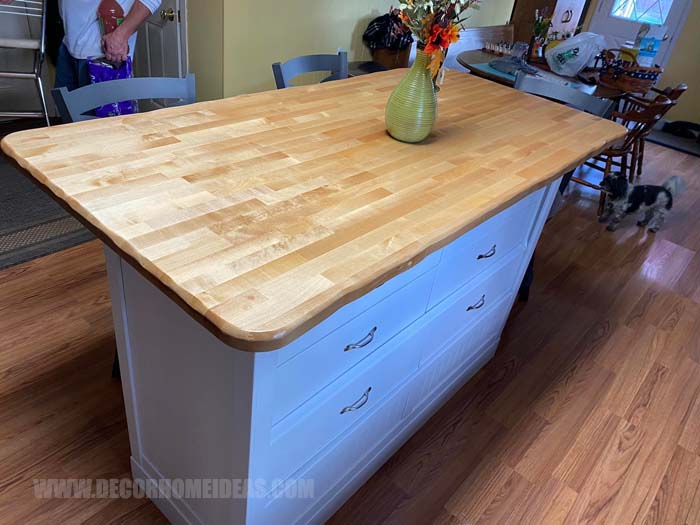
{"type": "Point", "coordinates": [71, 73]}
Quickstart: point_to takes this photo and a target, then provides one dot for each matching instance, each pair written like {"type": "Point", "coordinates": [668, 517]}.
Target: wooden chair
{"type": "Point", "coordinates": [285, 72]}
{"type": "Point", "coordinates": [29, 10]}
{"type": "Point", "coordinates": [73, 105]}
{"type": "Point", "coordinates": [639, 121]}
{"type": "Point", "coordinates": [632, 102]}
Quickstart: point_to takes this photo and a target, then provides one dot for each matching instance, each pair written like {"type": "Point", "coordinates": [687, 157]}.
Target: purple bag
{"type": "Point", "coordinates": [102, 71]}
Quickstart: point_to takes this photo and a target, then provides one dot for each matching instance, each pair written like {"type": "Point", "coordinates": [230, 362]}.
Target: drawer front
{"type": "Point", "coordinates": [484, 247]}
{"type": "Point", "coordinates": [341, 406]}
{"type": "Point", "coordinates": [462, 356]}
{"type": "Point", "coordinates": [352, 456]}
{"type": "Point", "coordinates": [348, 312]}
{"type": "Point", "coordinates": [440, 378]}
{"type": "Point", "coordinates": [470, 305]}
{"type": "Point", "coordinates": [301, 377]}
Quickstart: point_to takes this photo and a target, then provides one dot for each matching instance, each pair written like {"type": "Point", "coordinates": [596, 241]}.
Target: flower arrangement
{"type": "Point", "coordinates": [436, 25]}
{"type": "Point", "coordinates": [542, 23]}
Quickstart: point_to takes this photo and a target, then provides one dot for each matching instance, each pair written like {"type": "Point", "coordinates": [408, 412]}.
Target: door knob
{"type": "Point", "coordinates": [167, 14]}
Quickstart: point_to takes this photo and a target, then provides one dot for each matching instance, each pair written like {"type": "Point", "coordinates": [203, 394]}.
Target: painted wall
{"type": "Point", "coordinates": [257, 33]}
{"type": "Point", "coordinates": [683, 66]}
{"type": "Point", "coordinates": [205, 19]}
{"type": "Point", "coordinates": [491, 13]}
{"type": "Point", "coordinates": [260, 32]}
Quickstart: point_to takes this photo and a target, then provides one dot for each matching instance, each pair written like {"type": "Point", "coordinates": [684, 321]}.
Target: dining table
{"type": "Point", "coordinates": [478, 63]}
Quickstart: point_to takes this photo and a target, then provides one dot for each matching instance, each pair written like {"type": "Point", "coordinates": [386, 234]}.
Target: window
{"type": "Point", "coordinates": [644, 11]}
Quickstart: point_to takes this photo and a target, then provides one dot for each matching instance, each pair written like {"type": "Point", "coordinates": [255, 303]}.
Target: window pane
{"type": "Point", "coordinates": [644, 11]}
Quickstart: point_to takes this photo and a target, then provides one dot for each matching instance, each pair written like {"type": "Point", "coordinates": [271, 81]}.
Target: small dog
{"type": "Point", "coordinates": [653, 201]}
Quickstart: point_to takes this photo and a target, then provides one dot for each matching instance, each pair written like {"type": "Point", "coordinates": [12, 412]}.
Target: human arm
{"type": "Point", "coordinates": [115, 45]}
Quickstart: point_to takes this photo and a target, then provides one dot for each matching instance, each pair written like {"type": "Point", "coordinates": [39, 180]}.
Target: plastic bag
{"type": "Point", "coordinates": [571, 56]}
{"type": "Point", "coordinates": [102, 71]}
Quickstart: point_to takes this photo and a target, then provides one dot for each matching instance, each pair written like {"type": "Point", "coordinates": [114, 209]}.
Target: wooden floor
{"type": "Point", "coordinates": [589, 413]}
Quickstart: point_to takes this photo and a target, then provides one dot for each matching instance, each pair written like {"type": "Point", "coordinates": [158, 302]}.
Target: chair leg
{"type": "Point", "coordinates": [601, 203]}
{"type": "Point", "coordinates": [603, 195]}
{"type": "Point", "coordinates": [640, 158]}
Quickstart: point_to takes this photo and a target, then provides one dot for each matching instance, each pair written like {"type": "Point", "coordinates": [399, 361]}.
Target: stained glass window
{"type": "Point", "coordinates": [644, 11]}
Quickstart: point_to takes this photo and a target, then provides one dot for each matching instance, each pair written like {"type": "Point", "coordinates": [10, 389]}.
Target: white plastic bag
{"type": "Point", "coordinates": [572, 55]}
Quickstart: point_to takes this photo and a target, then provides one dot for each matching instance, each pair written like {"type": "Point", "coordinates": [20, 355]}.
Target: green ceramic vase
{"type": "Point", "coordinates": [412, 107]}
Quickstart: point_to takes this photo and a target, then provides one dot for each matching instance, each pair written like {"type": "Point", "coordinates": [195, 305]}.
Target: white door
{"type": "Point", "coordinates": [620, 20]}
{"type": "Point", "coordinates": [161, 47]}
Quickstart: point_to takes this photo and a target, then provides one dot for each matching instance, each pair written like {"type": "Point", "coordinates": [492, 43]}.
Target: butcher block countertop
{"type": "Point", "coordinates": [263, 214]}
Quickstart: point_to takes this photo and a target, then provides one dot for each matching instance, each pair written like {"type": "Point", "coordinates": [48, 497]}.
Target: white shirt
{"type": "Point", "coordinates": [83, 38]}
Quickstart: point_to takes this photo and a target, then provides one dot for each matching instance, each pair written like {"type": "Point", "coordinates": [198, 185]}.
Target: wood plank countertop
{"type": "Point", "coordinates": [263, 214]}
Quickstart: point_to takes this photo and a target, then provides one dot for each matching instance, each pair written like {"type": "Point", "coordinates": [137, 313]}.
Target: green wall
{"type": "Point", "coordinates": [233, 43]}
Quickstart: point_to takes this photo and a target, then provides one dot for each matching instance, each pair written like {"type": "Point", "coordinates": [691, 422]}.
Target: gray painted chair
{"type": "Point", "coordinates": [336, 64]}
{"type": "Point", "coordinates": [72, 105]}
{"type": "Point", "coordinates": [564, 94]}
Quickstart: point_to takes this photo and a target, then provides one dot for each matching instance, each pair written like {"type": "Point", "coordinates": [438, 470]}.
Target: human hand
{"type": "Point", "coordinates": [115, 45]}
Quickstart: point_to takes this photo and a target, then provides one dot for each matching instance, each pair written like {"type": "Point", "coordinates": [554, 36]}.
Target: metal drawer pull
{"type": "Point", "coordinates": [488, 254]}
{"type": "Point", "coordinates": [359, 403]}
{"type": "Point", "coordinates": [362, 342]}
{"type": "Point", "coordinates": [478, 305]}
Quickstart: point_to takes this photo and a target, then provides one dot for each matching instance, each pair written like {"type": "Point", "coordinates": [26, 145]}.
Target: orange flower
{"type": "Point", "coordinates": [436, 60]}
{"type": "Point", "coordinates": [450, 34]}
{"type": "Point", "coordinates": [441, 38]}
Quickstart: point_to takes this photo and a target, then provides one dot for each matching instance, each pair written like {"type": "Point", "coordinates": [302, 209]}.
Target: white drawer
{"type": "Point", "coordinates": [484, 247]}
{"type": "Point", "coordinates": [341, 406]}
{"type": "Point", "coordinates": [471, 304]}
{"type": "Point", "coordinates": [362, 449]}
{"type": "Point", "coordinates": [301, 377]}
{"type": "Point", "coordinates": [462, 356]}
{"type": "Point", "coordinates": [353, 309]}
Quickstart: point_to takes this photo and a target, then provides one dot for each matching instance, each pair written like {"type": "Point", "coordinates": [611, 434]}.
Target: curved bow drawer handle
{"type": "Point", "coordinates": [478, 305]}
{"type": "Point", "coordinates": [359, 403]}
{"type": "Point", "coordinates": [488, 254]}
{"type": "Point", "coordinates": [362, 342]}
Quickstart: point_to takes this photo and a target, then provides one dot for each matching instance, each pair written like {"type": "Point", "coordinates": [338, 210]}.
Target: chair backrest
{"type": "Point", "coordinates": [561, 93]}
{"type": "Point", "coordinates": [673, 93]}
{"type": "Point", "coordinates": [641, 119]}
{"type": "Point", "coordinates": [471, 39]}
{"type": "Point", "coordinates": [336, 64]}
{"type": "Point", "coordinates": [72, 105]}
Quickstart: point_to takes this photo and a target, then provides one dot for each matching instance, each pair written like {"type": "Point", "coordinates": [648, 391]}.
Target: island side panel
{"type": "Point", "coordinates": [188, 398]}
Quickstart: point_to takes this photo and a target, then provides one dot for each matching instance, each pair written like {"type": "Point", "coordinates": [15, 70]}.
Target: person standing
{"type": "Point", "coordinates": [84, 40]}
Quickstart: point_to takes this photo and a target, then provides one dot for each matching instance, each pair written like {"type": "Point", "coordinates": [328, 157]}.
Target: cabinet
{"type": "Point", "coordinates": [567, 15]}
{"type": "Point", "coordinates": [304, 426]}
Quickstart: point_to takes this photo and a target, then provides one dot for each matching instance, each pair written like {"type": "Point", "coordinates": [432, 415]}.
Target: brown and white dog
{"type": "Point", "coordinates": [653, 202]}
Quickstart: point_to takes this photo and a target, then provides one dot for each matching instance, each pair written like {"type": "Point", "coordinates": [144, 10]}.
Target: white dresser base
{"type": "Point", "coordinates": [198, 409]}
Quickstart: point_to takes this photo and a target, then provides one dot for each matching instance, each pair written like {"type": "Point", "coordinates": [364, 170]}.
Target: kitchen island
{"type": "Point", "coordinates": [294, 292]}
